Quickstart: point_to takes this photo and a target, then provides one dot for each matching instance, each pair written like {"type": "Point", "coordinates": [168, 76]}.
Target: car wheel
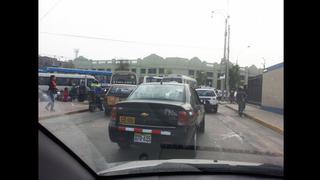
{"type": "Point", "coordinates": [124, 145]}
{"type": "Point", "coordinates": [193, 148]}
{"type": "Point", "coordinates": [202, 125]}
{"type": "Point", "coordinates": [215, 110]}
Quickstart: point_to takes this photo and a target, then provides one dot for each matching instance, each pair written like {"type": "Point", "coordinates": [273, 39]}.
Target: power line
{"type": "Point", "coordinates": [52, 7]}
{"type": "Point", "coordinates": [122, 41]}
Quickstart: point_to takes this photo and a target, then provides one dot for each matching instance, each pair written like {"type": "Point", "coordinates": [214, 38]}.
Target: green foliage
{"type": "Point", "coordinates": [234, 77]}
{"type": "Point", "coordinates": [201, 77]}
{"type": "Point", "coordinates": [123, 67]}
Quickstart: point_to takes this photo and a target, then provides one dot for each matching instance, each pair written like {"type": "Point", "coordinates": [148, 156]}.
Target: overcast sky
{"type": "Point", "coordinates": [169, 28]}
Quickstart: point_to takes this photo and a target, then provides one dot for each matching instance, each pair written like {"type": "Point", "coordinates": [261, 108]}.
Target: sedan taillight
{"type": "Point", "coordinates": [113, 114]}
{"type": "Point", "coordinates": [183, 118]}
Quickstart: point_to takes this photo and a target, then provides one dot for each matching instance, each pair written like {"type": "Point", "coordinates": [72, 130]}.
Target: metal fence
{"type": "Point", "coordinates": [254, 89]}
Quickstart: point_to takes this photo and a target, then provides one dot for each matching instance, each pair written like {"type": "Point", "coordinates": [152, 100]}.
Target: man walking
{"type": "Point", "coordinates": [241, 100]}
{"type": "Point", "coordinates": [52, 91]}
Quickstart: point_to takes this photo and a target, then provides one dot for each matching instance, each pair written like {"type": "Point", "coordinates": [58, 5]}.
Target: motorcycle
{"type": "Point", "coordinates": [95, 101]}
{"type": "Point", "coordinates": [82, 93]}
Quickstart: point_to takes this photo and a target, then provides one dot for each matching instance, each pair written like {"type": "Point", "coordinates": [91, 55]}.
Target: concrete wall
{"type": "Point", "coordinates": [272, 89]}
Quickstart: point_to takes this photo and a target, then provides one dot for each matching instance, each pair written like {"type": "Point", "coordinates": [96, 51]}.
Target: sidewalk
{"type": "Point", "coordinates": [61, 108]}
{"type": "Point", "coordinates": [266, 118]}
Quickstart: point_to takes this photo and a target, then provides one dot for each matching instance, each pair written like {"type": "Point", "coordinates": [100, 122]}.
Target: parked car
{"type": "Point", "coordinates": [209, 97]}
{"type": "Point", "coordinates": [158, 113]}
{"type": "Point", "coordinates": [116, 93]}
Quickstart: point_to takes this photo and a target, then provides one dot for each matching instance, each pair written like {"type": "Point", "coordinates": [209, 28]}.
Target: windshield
{"type": "Point", "coordinates": [140, 81]}
{"type": "Point", "coordinates": [179, 80]}
{"type": "Point", "coordinates": [124, 79]}
{"type": "Point", "coordinates": [152, 79]}
{"type": "Point", "coordinates": [159, 92]}
{"type": "Point", "coordinates": [206, 93]}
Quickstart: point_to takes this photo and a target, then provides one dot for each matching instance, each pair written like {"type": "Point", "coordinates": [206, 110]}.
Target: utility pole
{"type": "Point", "coordinates": [76, 51]}
{"type": "Point", "coordinates": [264, 63]}
{"type": "Point", "coordinates": [227, 76]}
{"type": "Point", "coordinates": [225, 59]}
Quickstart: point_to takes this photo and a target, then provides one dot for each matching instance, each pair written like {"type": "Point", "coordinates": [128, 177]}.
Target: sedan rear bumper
{"type": "Point", "coordinates": [125, 134]}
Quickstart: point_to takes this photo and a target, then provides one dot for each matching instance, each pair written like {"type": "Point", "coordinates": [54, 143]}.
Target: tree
{"type": "Point", "coordinates": [68, 64]}
{"type": "Point", "coordinates": [81, 58]}
{"type": "Point", "coordinates": [201, 77]}
{"type": "Point", "coordinates": [123, 67]}
{"type": "Point", "coordinates": [234, 77]}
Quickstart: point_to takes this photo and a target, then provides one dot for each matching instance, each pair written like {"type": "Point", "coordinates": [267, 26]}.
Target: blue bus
{"type": "Point", "coordinates": [103, 77]}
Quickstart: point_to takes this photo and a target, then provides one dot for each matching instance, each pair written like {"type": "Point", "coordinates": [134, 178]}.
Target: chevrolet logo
{"type": "Point", "coordinates": [144, 114]}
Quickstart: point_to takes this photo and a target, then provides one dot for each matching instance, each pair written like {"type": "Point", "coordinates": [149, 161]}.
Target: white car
{"type": "Point", "coordinates": [209, 98]}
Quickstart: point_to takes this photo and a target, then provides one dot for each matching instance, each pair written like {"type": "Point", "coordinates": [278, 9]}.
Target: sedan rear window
{"type": "Point", "coordinates": [206, 93]}
{"type": "Point", "coordinates": [159, 92]}
{"type": "Point", "coordinates": [121, 90]}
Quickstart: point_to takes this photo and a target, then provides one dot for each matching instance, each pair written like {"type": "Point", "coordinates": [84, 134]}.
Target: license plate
{"type": "Point", "coordinates": [142, 138]}
{"type": "Point", "coordinates": [127, 120]}
{"type": "Point", "coordinates": [112, 100]}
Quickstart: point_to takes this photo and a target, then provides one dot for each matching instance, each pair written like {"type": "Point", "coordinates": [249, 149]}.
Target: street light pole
{"type": "Point", "coordinates": [225, 69]}
{"type": "Point", "coordinates": [227, 76]}
{"type": "Point", "coordinates": [225, 59]}
{"type": "Point", "coordinates": [264, 63]}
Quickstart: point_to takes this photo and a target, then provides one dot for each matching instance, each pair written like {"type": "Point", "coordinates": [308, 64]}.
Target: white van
{"type": "Point", "coordinates": [149, 79]}
{"type": "Point", "coordinates": [64, 80]}
{"type": "Point", "coordinates": [180, 79]}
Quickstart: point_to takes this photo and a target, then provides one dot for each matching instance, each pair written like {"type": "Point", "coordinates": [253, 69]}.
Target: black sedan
{"type": "Point", "coordinates": [158, 113]}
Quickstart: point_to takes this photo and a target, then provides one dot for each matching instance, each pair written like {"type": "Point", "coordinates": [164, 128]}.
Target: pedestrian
{"type": "Point", "coordinates": [52, 91]}
{"type": "Point", "coordinates": [73, 92]}
{"type": "Point", "coordinates": [98, 92]}
{"type": "Point", "coordinates": [231, 97]}
{"type": "Point", "coordinates": [241, 99]}
{"type": "Point", "coordinates": [66, 96]}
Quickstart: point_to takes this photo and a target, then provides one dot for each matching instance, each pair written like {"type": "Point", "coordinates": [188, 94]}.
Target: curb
{"type": "Point", "coordinates": [275, 128]}
{"type": "Point", "coordinates": [62, 114]}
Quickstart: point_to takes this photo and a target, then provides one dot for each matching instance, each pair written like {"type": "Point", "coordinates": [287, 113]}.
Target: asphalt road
{"type": "Point", "coordinates": [227, 137]}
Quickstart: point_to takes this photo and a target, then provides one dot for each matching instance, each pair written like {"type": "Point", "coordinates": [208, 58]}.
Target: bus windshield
{"type": "Point", "coordinates": [124, 79]}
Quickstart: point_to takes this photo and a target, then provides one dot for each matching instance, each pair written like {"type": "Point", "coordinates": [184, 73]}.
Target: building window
{"type": "Point", "coordinates": [161, 71]}
{"type": "Point", "coordinates": [241, 77]}
{"type": "Point", "coordinates": [210, 74]}
{"type": "Point", "coordinates": [133, 70]}
{"type": "Point", "coordinates": [142, 71]}
{"type": "Point", "coordinates": [191, 72]}
{"type": "Point", "coordinates": [152, 71]}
